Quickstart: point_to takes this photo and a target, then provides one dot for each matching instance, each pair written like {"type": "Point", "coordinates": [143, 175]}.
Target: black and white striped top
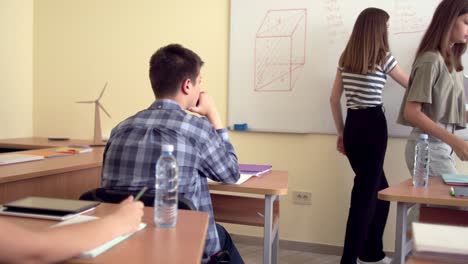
{"type": "Point", "coordinates": [365, 90]}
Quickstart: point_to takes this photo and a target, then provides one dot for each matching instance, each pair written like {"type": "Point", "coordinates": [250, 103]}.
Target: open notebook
{"type": "Point", "coordinates": [92, 253]}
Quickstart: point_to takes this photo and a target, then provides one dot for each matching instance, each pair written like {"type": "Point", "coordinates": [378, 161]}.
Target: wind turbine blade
{"type": "Point", "coordinates": [103, 109]}
{"type": "Point", "coordinates": [84, 102]}
{"type": "Point", "coordinates": [102, 92]}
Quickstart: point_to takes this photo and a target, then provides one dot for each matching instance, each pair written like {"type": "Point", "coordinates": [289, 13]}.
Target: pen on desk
{"type": "Point", "coordinates": [452, 191]}
{"type": "Point", "coordinates": [140, 193]}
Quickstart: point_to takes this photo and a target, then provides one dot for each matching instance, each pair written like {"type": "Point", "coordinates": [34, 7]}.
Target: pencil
{"type": "Point", "coordinates": [140, 193]}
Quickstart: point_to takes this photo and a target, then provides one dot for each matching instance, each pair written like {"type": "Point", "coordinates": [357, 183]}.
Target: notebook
{"type": "Point", "coordinates": [47, 208]}
{"type": "Point", "coordinates": [10, 158]}
{"type": "Point", "coordinates": [92, 253]}
{"type": "Point", "coordinates": [455, 179]}
{"type": "Point", "coordinates": [440, 242]}
{"type": "Point", "coordinates": [254, 169]}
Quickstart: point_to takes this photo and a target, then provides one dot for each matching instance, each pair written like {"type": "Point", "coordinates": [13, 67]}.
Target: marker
{"type": "Point", "coordinates": [452, 191]}
{"type": "Point", "coordinates": [140, 193]}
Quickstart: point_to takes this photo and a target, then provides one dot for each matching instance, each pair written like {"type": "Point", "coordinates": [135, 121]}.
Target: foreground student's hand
{"type": "Point", "coordinates": [128, 215]}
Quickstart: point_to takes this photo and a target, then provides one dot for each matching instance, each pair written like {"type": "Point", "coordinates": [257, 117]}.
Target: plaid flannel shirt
{"type": "Point", "coordinates": [201, 152]}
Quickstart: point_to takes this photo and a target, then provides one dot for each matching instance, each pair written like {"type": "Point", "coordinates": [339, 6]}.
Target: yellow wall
{"type": "Point", "coordinates": [79, 45]}
{"type": "Point", "coordinates": [16, 90]}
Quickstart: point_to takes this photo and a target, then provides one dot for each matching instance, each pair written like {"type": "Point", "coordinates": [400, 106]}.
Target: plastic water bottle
{"type": "Point", "coordinates": [421, 162]}
{"type": "Point", "coordinates": [165, 198]}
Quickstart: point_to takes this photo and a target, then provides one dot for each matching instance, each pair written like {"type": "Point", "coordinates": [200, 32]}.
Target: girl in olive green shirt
{"type": "Point", "coordinates": [434, 102]}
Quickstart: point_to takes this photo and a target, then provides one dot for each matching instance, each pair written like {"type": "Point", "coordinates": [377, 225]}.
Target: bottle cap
{"type": "Point", "coordinates": [167, 148]}
{"type": "Point", "coordinates": [423, 136]}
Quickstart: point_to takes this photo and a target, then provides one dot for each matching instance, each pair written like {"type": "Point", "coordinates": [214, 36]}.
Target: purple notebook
{"type": "Point", "coordinates": [254, 169]}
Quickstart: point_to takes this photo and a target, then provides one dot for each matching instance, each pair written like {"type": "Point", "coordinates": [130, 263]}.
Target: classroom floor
{"type": "Point", "coordinates": [253, 254]}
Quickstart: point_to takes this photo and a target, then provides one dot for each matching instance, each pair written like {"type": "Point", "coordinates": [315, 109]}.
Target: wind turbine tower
{"type": "Point", "coordinates": [97, 118]}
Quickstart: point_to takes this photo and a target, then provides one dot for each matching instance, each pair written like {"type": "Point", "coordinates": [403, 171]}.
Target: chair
{"type": "Point", "coordinates": [117, 196]}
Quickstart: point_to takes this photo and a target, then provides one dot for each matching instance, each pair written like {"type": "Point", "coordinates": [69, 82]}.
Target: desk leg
{"type": "Point", "coordinates": [401, 242]}
{"type": "Point", "coordinates": [275, 244]}
{"type": "Point", "coordinates": [270, 238]}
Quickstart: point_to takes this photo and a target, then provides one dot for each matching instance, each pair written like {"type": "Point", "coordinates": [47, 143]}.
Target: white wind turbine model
{"type": "Point", "coordinates": [97, 118]}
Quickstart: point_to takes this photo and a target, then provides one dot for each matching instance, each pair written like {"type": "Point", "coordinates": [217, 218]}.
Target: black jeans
{"type": "Point", "coordinates": [365, 140]}
{"type": "Point", "coordinates": [227, 244]}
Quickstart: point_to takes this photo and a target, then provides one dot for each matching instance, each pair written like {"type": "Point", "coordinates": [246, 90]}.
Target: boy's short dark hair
{"type": "Point", "coordinates": [170, 66]}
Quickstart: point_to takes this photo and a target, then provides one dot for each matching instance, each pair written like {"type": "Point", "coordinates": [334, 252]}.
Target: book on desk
{"type": "Point", "coordinates": [248, 171]}
{"type": "Point", "coordinates": [455, 179]}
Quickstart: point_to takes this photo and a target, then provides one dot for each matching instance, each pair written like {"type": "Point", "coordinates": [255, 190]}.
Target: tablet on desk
{"type": "Point", "coordinates": [47, 208]}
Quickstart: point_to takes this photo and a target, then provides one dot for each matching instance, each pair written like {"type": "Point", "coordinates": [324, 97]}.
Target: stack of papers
{"type": "Point", "coordinates": [440, 242]}
{"type": "Point", "coordinates": [455, 179]}
{"type": "Point", "coordinates": [92, 253]}
{"type": "Point", "coordinates": [10, 158]}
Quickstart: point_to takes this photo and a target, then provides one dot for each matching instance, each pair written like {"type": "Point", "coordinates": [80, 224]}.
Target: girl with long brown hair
{"type": "Point", "coordinates": [435, 100]}
{"type": "Point", "coordinates": [362, 74]}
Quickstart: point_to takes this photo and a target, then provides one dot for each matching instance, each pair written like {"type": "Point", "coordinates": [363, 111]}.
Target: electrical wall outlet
{"type": "Point", "coordinates": [302, 197]}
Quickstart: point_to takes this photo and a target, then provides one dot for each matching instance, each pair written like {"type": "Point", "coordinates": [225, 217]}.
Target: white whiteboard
{"type": "Point", "coordinates": [284, 54]}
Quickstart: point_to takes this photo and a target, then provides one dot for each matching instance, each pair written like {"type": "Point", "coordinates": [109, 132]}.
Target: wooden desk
{"type": "Point", "coordinates": [436, 193]}
{"type": "Point", "coordinates": [69, 177]}
{"type": "Point", "coordinates": [183, 244]}
{"type": "Point", "coordinates": [61, 177]}
{"type": "Point", "coordinates": [254, 211]}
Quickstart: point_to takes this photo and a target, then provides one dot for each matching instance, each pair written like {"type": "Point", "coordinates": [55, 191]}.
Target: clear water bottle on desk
{"type": "Point", "coordinates": [165, 197]}
{"type": "Point", "coordinates": [421, 162]}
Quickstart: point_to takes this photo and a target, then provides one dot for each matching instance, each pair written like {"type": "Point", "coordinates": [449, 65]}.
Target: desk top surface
{"type": "Point", "coordinates": [436, 193]}
{"type": "Point", "coordinates": [48, 166]}
{"type": "Point", "coordinates": [39, 142]}
{"type": "Point", "coordinates": [183, 244]}
{"type": "Point", "coordinates": [271, 183]}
